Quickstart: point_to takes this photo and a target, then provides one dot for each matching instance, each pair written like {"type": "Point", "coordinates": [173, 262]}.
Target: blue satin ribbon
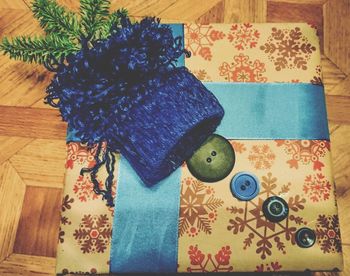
{"type": "Point", "coordinates": [268, 111]}
{"type": "Point", "coordinates": [178, 30]}
{"type": "Point", "coordinates": [271, 110]}
{"type": "Point", "coordinates": [145, 227]}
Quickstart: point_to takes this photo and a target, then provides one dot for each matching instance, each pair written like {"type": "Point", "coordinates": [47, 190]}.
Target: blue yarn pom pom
{"type": "Point", "coordinates": [96, 88]}
{"type": "Point", "coordinates": [126, 91]}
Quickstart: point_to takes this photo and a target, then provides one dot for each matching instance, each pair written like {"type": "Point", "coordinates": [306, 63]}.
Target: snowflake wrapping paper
{"type": "Point", "coordinates": [217, 232]}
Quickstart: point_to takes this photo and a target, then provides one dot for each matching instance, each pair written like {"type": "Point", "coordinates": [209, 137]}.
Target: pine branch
{"type": "Point", "coordinates": [55, 19]}
{"type": "Point", "coordinates": [94, 14]}
{"type": "Point", "coordinates": [113, 20]}
{"type": "Point", "coordinates": [38, 49]}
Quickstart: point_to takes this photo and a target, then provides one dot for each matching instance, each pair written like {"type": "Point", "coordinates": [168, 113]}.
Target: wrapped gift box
{"type": "Point", "coordinates": [216, 231]}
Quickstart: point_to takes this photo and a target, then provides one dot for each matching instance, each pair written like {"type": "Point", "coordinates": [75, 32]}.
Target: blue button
{"type": "Point", "coordinates": [245, 186]}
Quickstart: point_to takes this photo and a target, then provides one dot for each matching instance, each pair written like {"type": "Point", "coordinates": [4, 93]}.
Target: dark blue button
{"type": "Point", "coordinates": [275, 209]}
{"type": "Point", "coordinates": [245, 186]}
{"type": "Point", "coordinates": [305, 237]}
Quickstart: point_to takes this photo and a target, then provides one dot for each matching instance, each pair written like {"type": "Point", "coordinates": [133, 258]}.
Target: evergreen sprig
{"type": "Point", "coordinates": [112, 20]}
{"type": "Point", "coordinates": [64, 30]}
{"type": "Point", "coordinates": [55, 19]}
{"type": "Point", "coordinates": [94, 14]}
{"type": "Point", "coordinates": [38, 49]}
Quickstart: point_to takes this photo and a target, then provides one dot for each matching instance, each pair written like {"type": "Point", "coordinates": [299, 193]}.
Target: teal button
{"type": "Point", "coordinates": [305, 237]}
{"type": "Point", "coordinates": [275, 209]}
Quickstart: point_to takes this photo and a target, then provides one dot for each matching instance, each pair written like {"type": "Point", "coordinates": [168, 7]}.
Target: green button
{"type": "Point", "coordinates": [213, 161]}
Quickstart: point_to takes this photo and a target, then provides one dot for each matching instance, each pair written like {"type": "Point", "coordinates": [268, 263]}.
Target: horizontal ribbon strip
{"type": "Point", "coordinates": [269, 111]}
{"type": "Point", "coordinates": [272, 110]}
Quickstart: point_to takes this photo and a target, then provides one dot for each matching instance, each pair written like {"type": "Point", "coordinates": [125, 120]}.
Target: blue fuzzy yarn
{"type": "Point", "coordinates": [106, 91]}
{"type": "Point", "coordinates": [98, 86]}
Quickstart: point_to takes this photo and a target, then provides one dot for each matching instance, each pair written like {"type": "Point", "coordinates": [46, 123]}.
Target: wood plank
{"type": "Point", "coordinates": [32, 123]}
{"type": "Point", "coordinates": [13, 4]}
{"type": "Point", "coordinates": [338, 108]}
{"type": "Point", "coordinates": [25, 265]}
{"type": "Point", "coordinates": [337, 33]}
{"type": "Point", "coordinates": [12, 191]}
{"type": "Point", "coordinates": [341, 159]}
{"type": "Point", "coordinates": [18, 22]}
{"type": "Point", "coordinates": [21, 84]}
{"type": "Point", "coordinates": [214, 15]}
{"type": "Point", "coordinates": [245, 11]}
{"type": "Point", "coordinates": [318, 2]}
{"type": "Point", "coordinates": [10, 145]}
{"type": "Point", "coordinates": [342, 88]}
{"type": "Point", "coordinates": [297, 12]}
{"type": "Point", "coordinates": [40, 215]}
{"type": "Point", "coordinates": [41, 163]}
{"type": "Point", "coordinates": [142, 8]}
{"type": "Point", "coordinates": [332, 75]}
{"type": "Point", "coordinates": [184, 9]}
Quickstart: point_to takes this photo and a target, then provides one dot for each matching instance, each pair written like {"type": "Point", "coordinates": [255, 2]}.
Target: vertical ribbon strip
{"type": "Point", "coordinates": [145, 228]}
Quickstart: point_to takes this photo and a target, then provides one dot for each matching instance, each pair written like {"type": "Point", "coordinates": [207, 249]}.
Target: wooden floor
{"type": "Point", "coordinates": [32, 136]}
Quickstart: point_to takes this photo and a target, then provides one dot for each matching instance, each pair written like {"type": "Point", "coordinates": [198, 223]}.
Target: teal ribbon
{"type": "Point", "coordinates": [145, 235]}
{"type": "Point", "coordinates": [272, 110]}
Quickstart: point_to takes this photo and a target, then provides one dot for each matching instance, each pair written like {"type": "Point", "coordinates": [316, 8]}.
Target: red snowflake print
{"type": "Point", "coordinates": [94, 233]}
{"type": "Point", "coordinates": [65, 221]}
{"type": "Point", "coordinates": [288, 49]}
{"type": "Point", "coordinates": [81, 154]}
{"type": "Point", "coordinates": [199, 38]}
{"type": "Point", "coordinates": [317, 187]}
{"type": "Point", "coordinates": [197, 207]}
{"type": "Point", "coordinates": [251, 221]}
{"type": "Point", "coordinates": [261, 157]}
{"type": "Point", "coordinates": [273, 266]}
{"type": "Point", "coordinates": [243, 70]}
{"type": "Point", "coordinates": [243, 36]}
{"type": "Point", "coordinates": [84, 188]}
{"type": "Point", "coordinates": [66, 203]}
{"type": "Point", "coordinates": [238, 146]}
{"type": "Point", "coordinates": [61, 234]}
{"type": "Point", "coordinates": [328, 233]}
{"type": "Point", "coordinates": [201, 262]}
{"type": "Point", "coordinates": [201, 74]}
{"type": "Point", "coordinates": [317, 79]}
{"type": "Point", "coordinates": [92, 271]}
{"type": "Point", "coordinates": [305, 152]}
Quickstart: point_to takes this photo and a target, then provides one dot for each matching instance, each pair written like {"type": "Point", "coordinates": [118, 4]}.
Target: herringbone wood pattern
{"type": "Point", "coordinates": [32, 145]}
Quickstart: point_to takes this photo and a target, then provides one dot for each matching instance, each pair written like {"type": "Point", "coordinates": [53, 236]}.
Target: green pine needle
{"type": "Point", "coordinates": [55, 19]}
{"type": "Point", "coordinates": [38, 49]}
{"type": "Point", "coordinates": [64, 30]}
{"type": "Point", "coordinates": [94, 14]}
{"type": "Point", "coordinates": [112, 20]}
